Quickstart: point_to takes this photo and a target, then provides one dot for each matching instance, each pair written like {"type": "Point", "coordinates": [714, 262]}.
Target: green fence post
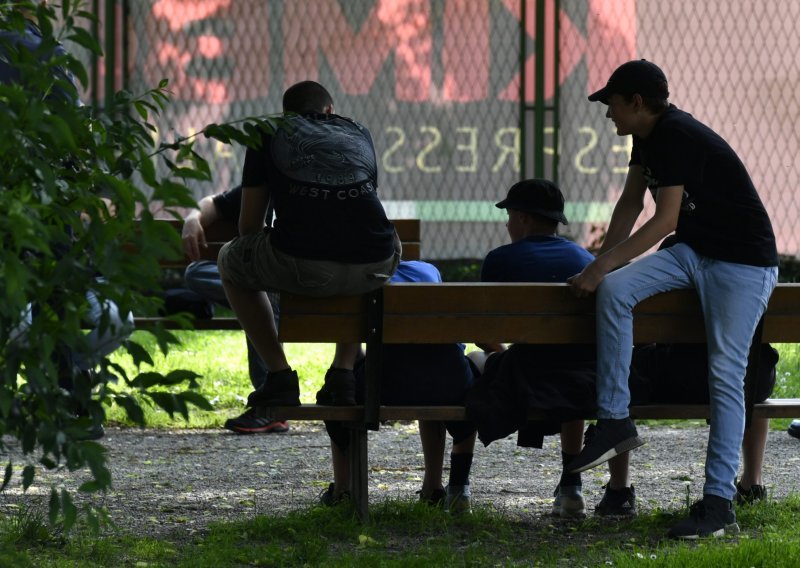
{"type": "Point", "coordinates": [110, 51]}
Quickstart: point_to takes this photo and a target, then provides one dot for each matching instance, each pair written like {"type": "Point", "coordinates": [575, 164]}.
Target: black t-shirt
{"type": "Point", "coordinates": [229, 204]}
{"type": "Point", "coordinates": [322, 176]}
{"type": "Point", "coordinates": [721, 215]}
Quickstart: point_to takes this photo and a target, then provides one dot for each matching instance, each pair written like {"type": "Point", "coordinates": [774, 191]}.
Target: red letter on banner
{"type": "Point", "coordinates": [356, 58]}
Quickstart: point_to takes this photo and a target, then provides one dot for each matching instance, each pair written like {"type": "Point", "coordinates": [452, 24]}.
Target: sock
{"type": "Point", "coordinates": [568, 479]}
{"type": "Point", "coordinates": [460, 464]}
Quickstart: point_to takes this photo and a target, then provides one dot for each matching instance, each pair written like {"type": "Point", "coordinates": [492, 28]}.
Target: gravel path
{"type": "Point", "coordinates": [172, 484]}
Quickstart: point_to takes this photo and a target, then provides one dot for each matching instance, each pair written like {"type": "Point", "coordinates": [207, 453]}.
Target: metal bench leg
{"type": "Point", "coordinates": [358, 470]}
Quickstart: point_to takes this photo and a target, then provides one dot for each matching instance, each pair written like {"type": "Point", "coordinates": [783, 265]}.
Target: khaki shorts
{"type": "Point", "coordinates": [252, 262]}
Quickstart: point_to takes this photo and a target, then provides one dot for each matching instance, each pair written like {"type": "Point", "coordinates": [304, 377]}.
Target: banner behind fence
{"type": "Point", "coordinates": [438, 83]}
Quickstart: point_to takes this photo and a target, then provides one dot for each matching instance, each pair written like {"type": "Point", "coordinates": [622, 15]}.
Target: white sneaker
{"type": "Point", "coordinates": [457, 501]}
{"type": "Point", "coordinates": [568, 502]}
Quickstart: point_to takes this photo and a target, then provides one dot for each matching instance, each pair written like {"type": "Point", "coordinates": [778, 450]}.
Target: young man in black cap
{"type": "Point", "coordinates": [556, 379]}
{"type": "Point", "coordinates": [725, 250]}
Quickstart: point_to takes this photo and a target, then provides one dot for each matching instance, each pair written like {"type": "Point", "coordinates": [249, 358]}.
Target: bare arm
{"type": "Point", "coordinates": [194, 224]}
{"type": "Point", "coordinates": [627, 209]}
{"type": "Point", "coordinates": [663, 222]}
{"type": "Point", "coordinates": [254, 209]}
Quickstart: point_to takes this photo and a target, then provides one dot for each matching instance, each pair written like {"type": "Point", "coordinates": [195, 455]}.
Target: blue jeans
{"type": "Point", "coordinates": [203, 278]}
{"type": "Point", "coordinates": [733, 298]}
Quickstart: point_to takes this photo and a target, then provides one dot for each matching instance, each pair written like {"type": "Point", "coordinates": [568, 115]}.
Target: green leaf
{"type": "Point", "coordinates": [83, 38]}
{"type": "Point", "coordinates": [132, 408]}
{"type": "Point", "coordinates": [166, 401]}
{"type": "Point", "coordinates": [7, 476]}
{"type": "Point", "coordinates": [54, 506]}
{"type": "Point", "coordinates": [28, 474]}
{"type": "Point", "coordinates": [196, 399]}
{"type": "Point", "coordinates": [92, 520]}
{"type": "Point", "coordinates": [69, 510]}
{"type": "Point", "coordinates": [91, 487]}
{"type": "Point", "coordinates": [138, 353]}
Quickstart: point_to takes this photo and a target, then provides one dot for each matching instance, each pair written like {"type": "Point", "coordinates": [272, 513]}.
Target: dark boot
{"type": "Point", "coordinates": [280, 389]}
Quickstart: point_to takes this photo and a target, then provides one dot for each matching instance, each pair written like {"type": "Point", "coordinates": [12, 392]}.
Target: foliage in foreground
{"type": "Point", "coordinates": [406, 533]}
{"type": "Point", "coordinates": [61, 165]}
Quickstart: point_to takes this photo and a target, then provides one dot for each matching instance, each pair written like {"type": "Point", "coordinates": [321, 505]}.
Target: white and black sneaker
{"type": "Point", "coordinates": [617, 502]}
{"type": "Point", "coordinates": [710, 517]}
{"type": "Point", "coordinates": [611, 438]}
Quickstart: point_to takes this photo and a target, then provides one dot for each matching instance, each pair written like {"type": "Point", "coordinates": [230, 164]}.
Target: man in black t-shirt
{"type": "Point", "coordinates": [331, 235]}
{"type": "Point", "coordinates": [725, 250]}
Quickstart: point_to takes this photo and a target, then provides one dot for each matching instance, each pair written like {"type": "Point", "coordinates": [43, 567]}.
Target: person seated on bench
{"type": "Point", "coordinates": [412, 375]}
{"type": "Point", "coordinates": [331, 236]}
{"type": "Point", "coordinates": [726, 251]}
{"type": "Point", "coordinates": [678, 374]}
{"type": "Point", "coordinates": [549, 378]}
{"type": "Point", "coordinates": [220, 214]}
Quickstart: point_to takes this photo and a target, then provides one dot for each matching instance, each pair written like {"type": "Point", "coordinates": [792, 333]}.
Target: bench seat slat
{"type": "Point", "coordinates": [772, 408]}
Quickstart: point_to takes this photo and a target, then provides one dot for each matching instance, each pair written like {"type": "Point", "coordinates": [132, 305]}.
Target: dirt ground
{"type": "Point", "coordinates": [172, 484]}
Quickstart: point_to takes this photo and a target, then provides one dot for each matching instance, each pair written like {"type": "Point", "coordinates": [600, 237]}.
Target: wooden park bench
{"type": "Point", "coordinates": [483, 313]}
{"type": "Point", "coordinates": [490, 313]}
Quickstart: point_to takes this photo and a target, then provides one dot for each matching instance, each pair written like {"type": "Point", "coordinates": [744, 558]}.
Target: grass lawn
{"type": "Point", "coordinates": [400, 533]}
{"type": "Point", "coordinates": [405, 533]}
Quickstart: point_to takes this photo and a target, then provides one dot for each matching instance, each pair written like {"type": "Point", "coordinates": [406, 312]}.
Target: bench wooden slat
{"type": "Point", "coordinates": [777, 408]}
{"type": "Point", "coordinates": [772, 408]}
{"type": "Point", "coordinates": [221, 324]}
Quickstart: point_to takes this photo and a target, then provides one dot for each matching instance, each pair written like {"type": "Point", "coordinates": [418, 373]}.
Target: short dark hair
{"type": "Point", "coordinates": [306, 96]}
{"type": "Point", "coordinates": [656, 105]}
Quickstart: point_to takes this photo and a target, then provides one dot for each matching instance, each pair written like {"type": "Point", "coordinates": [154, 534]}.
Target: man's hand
{"type": "Point", "coordinates": [588, 280]}
{"type": "Point", "coordinates": [193, 237]}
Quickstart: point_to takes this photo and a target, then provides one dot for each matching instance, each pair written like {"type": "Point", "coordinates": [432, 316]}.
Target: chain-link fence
{"type": "Point", "coordinates": [438, 83]}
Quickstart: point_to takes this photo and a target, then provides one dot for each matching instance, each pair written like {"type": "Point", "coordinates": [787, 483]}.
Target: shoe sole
{"type": "Point", "coordinates": [564, 513]}
{"type": "Point", "coordinates": [732, 529]}
{"type": "Point", "coordinates": [621, 448]}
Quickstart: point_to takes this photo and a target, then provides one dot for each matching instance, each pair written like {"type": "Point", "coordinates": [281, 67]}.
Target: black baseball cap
{"type": "Point", "coordinates": [537, 196]}
{"type": "Point", "coordinates": [638, 76]}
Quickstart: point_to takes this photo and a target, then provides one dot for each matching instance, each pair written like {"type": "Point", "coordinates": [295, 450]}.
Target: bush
{"type": "Point", "coordinates": [72, 180]}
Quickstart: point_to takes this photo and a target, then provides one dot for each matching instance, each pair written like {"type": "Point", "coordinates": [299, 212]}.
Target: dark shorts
{"type": "Point", "coordinates": [418, 375]}
{"type": "Point", "coordinates": [252, 262]}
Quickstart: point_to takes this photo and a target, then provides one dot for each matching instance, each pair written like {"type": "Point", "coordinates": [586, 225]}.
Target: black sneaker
{"type": "Point", "coordinates": [611, 438]}
{"type": "Point", "coordinates": [256, 421]}
{"type": "Point", "coordinates": [751, 495]}
{"type": "Point", "coordinates": [339, 388]}
{"type": "Point", "coordinates": [794, 429]}
{"type": "Point", "coordinates": [617, 502]}
{"type": "Point", "coordinates": [710, 517]}
{"type": "Point", "coordinates": [280, 389]}
{"type": "Point", "coordinates": [327, 497]}
{"type": "Point", "coordinates": [435, 499]}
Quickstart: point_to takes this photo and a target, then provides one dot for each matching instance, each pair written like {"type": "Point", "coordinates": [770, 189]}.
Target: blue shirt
{"type": "Point", "coordinates": [545, 258]}
{"type": "Point", "coordinates": [416, 271]}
